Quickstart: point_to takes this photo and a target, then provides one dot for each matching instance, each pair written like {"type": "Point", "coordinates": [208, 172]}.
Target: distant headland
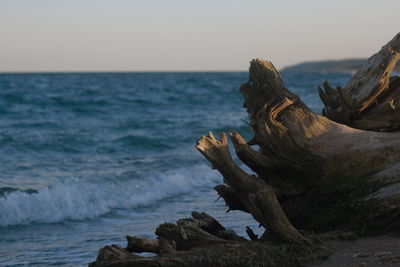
{"type": "Point", "coordinates": [324, 66]}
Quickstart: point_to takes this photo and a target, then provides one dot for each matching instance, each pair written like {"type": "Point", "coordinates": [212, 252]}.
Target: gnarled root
{"type": "Point", "coordinates": [188, 243]}
{"type": "Point", "coordinates": [256, 195]}
{"type": "Point", "coordinates": [371, 99]}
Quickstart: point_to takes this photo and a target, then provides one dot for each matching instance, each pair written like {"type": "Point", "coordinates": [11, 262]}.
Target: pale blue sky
{"type": "Point", "coordinates": [166, 35]}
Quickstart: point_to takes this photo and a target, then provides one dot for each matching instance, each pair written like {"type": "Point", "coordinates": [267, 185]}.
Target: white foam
{"type": "Point", "coordinates": [77, 199]}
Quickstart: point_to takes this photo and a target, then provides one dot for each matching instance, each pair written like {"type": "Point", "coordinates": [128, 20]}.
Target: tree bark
{"type": "Point", "coordinates": [312, 172]}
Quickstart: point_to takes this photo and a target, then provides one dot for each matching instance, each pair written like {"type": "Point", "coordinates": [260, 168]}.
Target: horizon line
{"type": "Point", "coordinates": [164, 71]}
{"type": "Point", "coordinates": [115, 71]}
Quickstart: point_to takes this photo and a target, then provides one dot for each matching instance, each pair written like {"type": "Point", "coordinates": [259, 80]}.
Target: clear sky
{"type": "Point", "coordinates": [166, 35]}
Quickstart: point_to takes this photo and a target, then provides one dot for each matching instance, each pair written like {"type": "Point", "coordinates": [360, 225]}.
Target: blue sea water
{"type": "Point", "coordinates": [87, 158]}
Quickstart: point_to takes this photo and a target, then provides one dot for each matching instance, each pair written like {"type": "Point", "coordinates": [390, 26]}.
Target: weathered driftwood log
{"type": "Point", "coordinates": [311, 173]}
{"type": "Point", "coordinates": [355, 173]}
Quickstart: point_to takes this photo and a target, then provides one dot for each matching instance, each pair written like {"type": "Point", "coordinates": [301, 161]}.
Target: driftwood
{"type": "Point", "coordinates": [190, 242]}
{"type": "Point", "coordinates": [317, 173]}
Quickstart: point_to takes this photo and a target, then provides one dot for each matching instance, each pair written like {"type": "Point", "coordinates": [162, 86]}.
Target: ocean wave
{"type": "Point", "coordinates": [77, 199]}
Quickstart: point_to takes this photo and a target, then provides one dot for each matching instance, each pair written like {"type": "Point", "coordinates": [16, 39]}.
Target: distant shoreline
{"type": "Point", "coordinates": [349, 66]}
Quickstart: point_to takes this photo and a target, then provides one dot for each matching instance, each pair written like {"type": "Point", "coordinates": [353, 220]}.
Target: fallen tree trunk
{"type": "Point", "coordinates": [312, 173]}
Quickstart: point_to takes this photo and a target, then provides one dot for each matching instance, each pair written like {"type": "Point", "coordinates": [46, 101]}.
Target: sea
{"type": "Point", "coordinates": [88, 158]}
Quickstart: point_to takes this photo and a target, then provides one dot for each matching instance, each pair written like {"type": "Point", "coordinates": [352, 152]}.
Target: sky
{"type": "Point", "coordinates": [188, 35]}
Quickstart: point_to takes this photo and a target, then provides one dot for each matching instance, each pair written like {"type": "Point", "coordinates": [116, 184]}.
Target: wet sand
{"type": "Point", "coordinates": [369, 251]}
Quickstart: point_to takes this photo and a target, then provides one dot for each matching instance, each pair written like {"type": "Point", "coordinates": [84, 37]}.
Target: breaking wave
{"type": "Point", "coordinates": [77, 199]}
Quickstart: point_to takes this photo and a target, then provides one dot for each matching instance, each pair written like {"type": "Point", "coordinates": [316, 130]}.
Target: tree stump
{"type": "Point", "coordinates": [318, 173]}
